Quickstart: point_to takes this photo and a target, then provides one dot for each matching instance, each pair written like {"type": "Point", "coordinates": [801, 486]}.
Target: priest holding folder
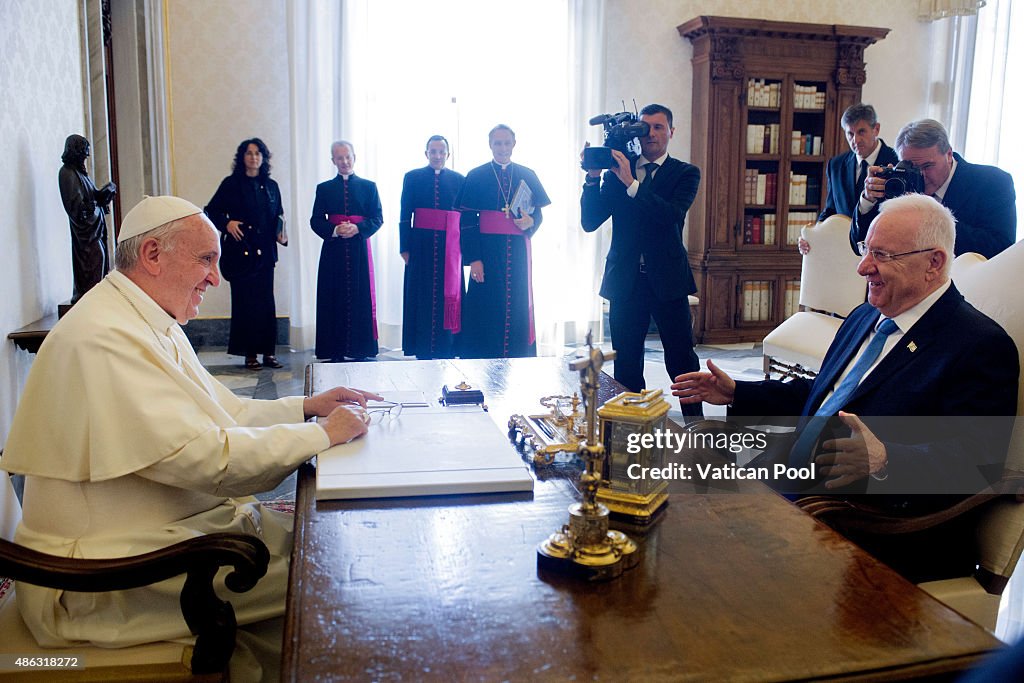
{"type": "Point", "coordinates": [501, 210]}
{"type": "Point", "coordinates": [428, 233]}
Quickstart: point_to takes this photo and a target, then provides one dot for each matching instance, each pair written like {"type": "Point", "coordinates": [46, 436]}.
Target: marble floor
{"type": "Point", "coordinates": [741, 361]}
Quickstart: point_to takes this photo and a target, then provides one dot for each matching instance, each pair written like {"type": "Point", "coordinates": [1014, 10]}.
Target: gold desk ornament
{"type": "Point", "coordinates": [542, 437]}
{"type": "Point", "coordinates": [624, 421]}
{"type": "Point", "coordinates": [584, 547]}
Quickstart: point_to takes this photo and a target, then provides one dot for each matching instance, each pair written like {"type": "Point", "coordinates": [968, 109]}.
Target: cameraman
{"type": "Point", "coordinates": [981, 198]}
{"type": "Point", "coordinates": [646, 273]}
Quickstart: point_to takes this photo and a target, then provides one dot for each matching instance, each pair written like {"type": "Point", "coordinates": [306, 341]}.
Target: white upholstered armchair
{"type": "Point", "coordinates": [829, 289]}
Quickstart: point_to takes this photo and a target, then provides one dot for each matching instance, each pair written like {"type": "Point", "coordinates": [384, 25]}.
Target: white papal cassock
{"type": "Point", "coordinates": [128, 445]}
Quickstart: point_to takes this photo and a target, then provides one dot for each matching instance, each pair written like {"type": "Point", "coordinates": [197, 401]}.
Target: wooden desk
{"type": "Point", "coordinates": [731, 586]}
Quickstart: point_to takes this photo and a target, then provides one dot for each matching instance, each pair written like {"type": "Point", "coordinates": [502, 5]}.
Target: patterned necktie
{"type": "Point", "coordinates": [803, 448]}
{"type": "Point", "coordinates": [649, 169]}
{"type": "Point", "coordinates": [858, 183]}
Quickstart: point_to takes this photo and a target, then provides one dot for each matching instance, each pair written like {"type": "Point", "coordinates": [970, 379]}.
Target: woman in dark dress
{"type": "Point", "coordinates": [247, 210]}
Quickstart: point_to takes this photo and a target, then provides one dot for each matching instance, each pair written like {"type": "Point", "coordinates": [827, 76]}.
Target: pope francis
{"type": "Point", "coordinates": [128, 444]}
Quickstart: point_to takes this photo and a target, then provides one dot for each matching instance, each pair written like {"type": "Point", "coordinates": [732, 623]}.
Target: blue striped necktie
{"type": "Point", "coordinates": [802, 451]}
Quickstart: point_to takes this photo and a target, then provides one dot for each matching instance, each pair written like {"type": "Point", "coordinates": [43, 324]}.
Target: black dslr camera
{"type": "Point", "coordinates": [622, 132]}
{"type": "Point", "coordinates": [903, 178]}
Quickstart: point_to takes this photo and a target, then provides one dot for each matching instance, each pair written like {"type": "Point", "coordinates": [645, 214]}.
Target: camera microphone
{"type": "Point", "coordinates": [601, 119]}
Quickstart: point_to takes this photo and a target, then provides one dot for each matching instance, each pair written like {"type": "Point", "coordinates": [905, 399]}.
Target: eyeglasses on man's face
{"type": "Point", "coordinates": [383, 411]}
{"type": "Point", "coordinates": [885, 256]}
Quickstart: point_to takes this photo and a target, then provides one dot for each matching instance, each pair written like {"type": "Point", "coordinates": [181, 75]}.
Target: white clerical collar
{"type": "Point", "coordinates": [437, 171]}
{"type": "Point", "coordinates": [870, 158]}
{"type": "Point", "coordinates": [346, 177]}
{"type": "Point", "coordinates": [941, 192]}
{"type": "Point", "coordinates": [502, 166]}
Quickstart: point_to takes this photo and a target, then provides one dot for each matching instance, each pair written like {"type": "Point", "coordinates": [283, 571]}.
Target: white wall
{"type": "Point", "coordinates": [43, 102]}
{"type": "Point", "coordinates": [651, 62]}
{"type": "Point", "coordinates": [229, 81]}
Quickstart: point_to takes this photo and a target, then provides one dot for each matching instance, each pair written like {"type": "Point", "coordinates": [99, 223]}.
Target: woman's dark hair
{"type": "Point", "coordinates": [238, 165]}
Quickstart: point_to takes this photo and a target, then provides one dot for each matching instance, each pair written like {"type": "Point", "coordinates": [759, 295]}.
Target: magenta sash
{"type": "Point", "coordinates": [338, 219]}
{"type": "Point", "coordinates": [497, 223]}
{"type": "Point", "coordinates": [436, 219]}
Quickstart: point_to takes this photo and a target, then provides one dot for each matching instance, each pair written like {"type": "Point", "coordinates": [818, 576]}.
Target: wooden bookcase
{"type": "Point", "coordinates": [752, 76]}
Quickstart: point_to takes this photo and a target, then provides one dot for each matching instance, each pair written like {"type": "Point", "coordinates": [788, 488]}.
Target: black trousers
{"type": "Point", "coordinates": [629, 319]}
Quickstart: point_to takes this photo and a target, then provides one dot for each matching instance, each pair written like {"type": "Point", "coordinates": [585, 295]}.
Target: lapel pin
{"type": "Point", "coordinates": [912, 346]}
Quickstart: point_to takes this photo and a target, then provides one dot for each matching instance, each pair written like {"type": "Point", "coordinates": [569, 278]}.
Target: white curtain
{"type": "Point", "coordinates": [316, 67]}
{"type": "Point", "coordinates": [387, 75]}
{"type": "Point", "coordinates": [994, 134]}
{"type": "Point", "coordinates": [930, 10]}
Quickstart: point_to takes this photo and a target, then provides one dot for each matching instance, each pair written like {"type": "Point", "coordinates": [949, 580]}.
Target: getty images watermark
{"type": "Point", "coordinates": [734, 442]}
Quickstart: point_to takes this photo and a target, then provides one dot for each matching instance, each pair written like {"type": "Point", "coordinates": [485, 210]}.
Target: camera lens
{"type": "Point", "coordinates": [895, 187]}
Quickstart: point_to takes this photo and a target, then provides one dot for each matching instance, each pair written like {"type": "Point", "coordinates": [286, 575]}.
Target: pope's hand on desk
{"type": "Point", "coordinates": [714, 387]}
{"type": "Point", "coordinates": [321, 405]}
{"type": "Point", "coordinates": [345, 423]}
{"type": "Point", "coordinates": [852, 458]}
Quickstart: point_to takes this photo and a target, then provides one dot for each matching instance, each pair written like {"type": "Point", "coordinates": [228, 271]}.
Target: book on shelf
{"type": "Point", "coordinates": [791, 303]}
{"type": "Point", "coordinates": [748, 299]}
{"type": "Point", "coordinates": [769, 228]}
{"type": "Point", "coordinates": [765, 300]}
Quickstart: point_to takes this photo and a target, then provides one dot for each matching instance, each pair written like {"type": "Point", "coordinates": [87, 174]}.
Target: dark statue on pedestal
{"type": "Point", "coordinates": [86, 207]}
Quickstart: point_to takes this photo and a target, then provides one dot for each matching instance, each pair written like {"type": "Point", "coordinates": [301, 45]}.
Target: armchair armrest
{"type": "Point", "coordinates": [999, 525]}
{"type": "Point", "coordinates": [209, 618]}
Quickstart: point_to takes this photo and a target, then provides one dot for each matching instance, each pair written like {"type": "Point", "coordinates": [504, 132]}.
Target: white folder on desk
{"type": "Point", "coordinates": [432, 450]}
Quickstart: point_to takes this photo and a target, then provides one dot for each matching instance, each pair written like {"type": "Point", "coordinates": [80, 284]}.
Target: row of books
{"type": "Point", "coordinates": [803, 143]}
{"type": "Point", "coordinates": [758, 187]}
{"type": "Point", "coordinates": [762, 138]}
{"type": "Point", "coordinates": [808, 97]}
{"type": "Point", "coordinates": [761, 94]}
{"type": "Point", "coordinates": [758, 300]}
{"type": "Point", "coordinates": [759, 228]}
{"type": "Point", "coordinates": [764, 94]}
{"type": "Point", "coordinates": [804, 189]}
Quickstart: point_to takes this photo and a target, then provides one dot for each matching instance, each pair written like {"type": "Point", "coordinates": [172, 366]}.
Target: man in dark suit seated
{"type": "Point", "coordinates": [847, 171]}
{"type": "Point", "coordinates": [981, 198]}
{"type": "Point", "coordinates": [646, 273]}
{"type": "Point", "coordinates": [901, 368]}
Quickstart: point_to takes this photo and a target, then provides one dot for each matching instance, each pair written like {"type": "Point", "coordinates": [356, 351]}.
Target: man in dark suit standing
{"type": "Point", "coordinates": [916, 351]}
{"type": "Point", "coordinates": [982, 198]}
{"type": "Point", "coordinates": [646, 273]}
{"type": "Point", "coordinates": [848, 171]}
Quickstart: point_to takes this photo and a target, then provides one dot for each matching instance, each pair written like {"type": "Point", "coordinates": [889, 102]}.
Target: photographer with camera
{"type": "Point", "coordinates": [981, 198]}
{"type": "Point", "coordinates": [646, 273]}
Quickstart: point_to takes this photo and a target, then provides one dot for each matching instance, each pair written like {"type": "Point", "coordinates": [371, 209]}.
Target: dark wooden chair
{"type": "Point", "coordinates": [209, 618]}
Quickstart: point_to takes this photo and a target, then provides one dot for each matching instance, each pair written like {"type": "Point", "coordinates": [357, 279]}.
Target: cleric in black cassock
{"type": "Point", "coordinates": [346, 213]}
{"type": "Point", "coordinates": [428, 231]}
{"type": "Point", "coordinates": [497, 314]}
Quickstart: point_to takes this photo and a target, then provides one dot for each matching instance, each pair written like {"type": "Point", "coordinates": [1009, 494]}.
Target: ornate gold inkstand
{"type": "Point", "coordinates": [585, 547]}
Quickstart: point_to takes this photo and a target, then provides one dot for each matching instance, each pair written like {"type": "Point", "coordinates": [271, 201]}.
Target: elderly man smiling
{"type": "Point", "coordinates": [128, 444]}
{"type": "Point", "coordinates": [916, 350]}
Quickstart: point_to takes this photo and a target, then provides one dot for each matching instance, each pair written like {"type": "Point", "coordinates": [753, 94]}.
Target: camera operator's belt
{"type": "Point", "coordinates": [497, 223]}
{"type": "Point", "coordinates": [448, 221]}
{"type": "Point", "coordinates": [338, 219]}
